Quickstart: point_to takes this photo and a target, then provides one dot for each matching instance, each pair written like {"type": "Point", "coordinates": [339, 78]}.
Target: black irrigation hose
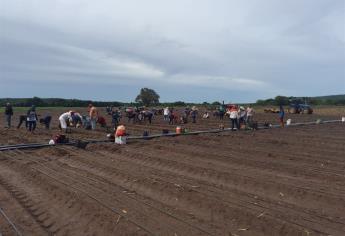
{"type": "Point", "coordinates": [18, 145]}
{"type": "Point", "coordinates": [83, 143]}
{"type": "Point", "coordinates": [28, 146]}
{"type": "Point", "coordinates": [10, 222]}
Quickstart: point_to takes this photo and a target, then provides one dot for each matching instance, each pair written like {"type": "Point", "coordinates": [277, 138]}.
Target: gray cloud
{"type": "Point", "coordinates": [241, 50]}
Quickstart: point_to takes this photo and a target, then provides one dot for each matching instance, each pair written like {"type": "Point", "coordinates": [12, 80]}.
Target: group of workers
{"type": "Point", "coordinates": [30, 119]}
{"type": "Point", "coordinates": [239, 116]}
{"type": "Point", "coordinates": [174, 116]}
{"type": "Point", "coordinates": [75, 119]}
{"type": "Point", "coordinates": [70, 118]}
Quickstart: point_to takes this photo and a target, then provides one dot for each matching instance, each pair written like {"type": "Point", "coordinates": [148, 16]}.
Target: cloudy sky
{"type": "Point", "coordinates": [191, 50]}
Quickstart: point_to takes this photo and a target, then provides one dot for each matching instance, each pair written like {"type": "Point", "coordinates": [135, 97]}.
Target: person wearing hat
{"type": "Point", "coordinates": [8, 114]}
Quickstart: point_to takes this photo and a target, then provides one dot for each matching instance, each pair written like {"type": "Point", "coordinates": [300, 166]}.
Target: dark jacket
{"type": "Point", "coordinates": [32, 115]}
{"type": "Point", "coordinates": [9, 110]}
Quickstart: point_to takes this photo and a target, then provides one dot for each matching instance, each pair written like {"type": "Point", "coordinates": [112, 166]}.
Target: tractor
{"type": "Point", "coordinates": [300, 109]}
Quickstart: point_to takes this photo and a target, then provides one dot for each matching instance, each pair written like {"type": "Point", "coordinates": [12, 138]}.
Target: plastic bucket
{"type": "Point", "coordinates": [178, 130]}
{"type": "Point", "coordinates": [120, 140]}
{"type": "Point", "coordinates": [288, 122]}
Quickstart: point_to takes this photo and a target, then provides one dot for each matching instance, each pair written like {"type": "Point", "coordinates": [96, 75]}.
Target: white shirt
{"type": "Point", "coordinates": [65, 116]}
{"type": "Point", "coordinates": [233, 114]}
{"type": "Point", "coordinates": [250, 111]}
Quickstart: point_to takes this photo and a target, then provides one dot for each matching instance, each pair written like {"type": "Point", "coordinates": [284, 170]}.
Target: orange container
{"type": "Point", "coordinates": [178, 130]}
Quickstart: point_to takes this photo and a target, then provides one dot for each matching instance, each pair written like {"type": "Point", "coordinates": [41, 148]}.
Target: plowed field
{"type": "Point", "coordinates": [287, 181]}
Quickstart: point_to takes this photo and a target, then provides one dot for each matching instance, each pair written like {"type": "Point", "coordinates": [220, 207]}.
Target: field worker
{"type": "Point", "coordinates": [242, 115]}
{"type": "Point", "coordinates": [194, 113]}
{"type": "Point", "coordinates": [101, 120]}
{"type": "Point", "coordinates": [63, 120]}
{"type": "Point", "coordinates": [173, 116]}
{"type": "Point", "coordinates": [76, 119]}
{"type": "Point", "coordinates": [148, 115]}
{"type": "Point", "coordinates": [46, 120]}
{"type": "Point", "coordinates": [115, 118]}
{"type": "Point", "coordinates": [166, 113]}
{"type": "Point", "coordinates": [93, 113]}
{"type": "Point", "coordinates": [250, 114]}
{"type": "Point", "coordinates": [22, 118]}
{"type": "Point", "coordinates": [206, 115]}
{"type": "Point", "coordinates": [221, 111]}
{"type": "Point", "coordinates": [233, 114]}
{"type": "Point", "coordinates": [281, 115]}
{"type": "Point", "coordinates": [120, 135]}
{"type": "Point", "coordinates": [32, 118]}
{"type": "Point", "coordinates": [184, 116]}
{"type": "Point", "coordinates": [8, 114]}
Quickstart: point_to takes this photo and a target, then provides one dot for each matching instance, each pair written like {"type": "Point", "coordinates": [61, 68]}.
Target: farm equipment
{"type": "Point", "coordinates": [300, 109]}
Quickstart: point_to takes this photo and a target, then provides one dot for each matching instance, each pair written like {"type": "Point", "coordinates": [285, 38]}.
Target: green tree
{"type": "Point", "coordinates": [216, 103]}
{"type": "Point", "coordinates": [37, 101]}
{"type": "Point", "coordinates": [178, 104]}
{"type": "Point", "coordinates": [281, 100]}
{"type": "Point", "coordinates": [147, 97]}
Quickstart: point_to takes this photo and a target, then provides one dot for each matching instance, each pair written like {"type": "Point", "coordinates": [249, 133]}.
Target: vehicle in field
{"type": "Point", "coordinates": [300, 109]}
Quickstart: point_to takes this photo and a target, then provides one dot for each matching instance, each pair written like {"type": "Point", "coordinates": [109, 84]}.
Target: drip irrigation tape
{"type": "Point", "coordinates": [83, 143]}
{"type": "Point", "coordinates": [10, 222]}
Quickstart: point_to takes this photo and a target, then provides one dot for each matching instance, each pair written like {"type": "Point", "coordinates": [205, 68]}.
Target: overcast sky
{"type": "Point", "coordinates": [190, 50]}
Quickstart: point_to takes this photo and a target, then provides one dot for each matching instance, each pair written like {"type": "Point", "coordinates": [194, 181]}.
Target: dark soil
{"type": "Point", "coordinates": [287, 181]}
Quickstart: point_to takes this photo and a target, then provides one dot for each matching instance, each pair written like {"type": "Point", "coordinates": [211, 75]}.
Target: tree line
{"type": "Point", "coordinates": [54, 102]}
{"type": "Point", "coordinates": [149, 97]}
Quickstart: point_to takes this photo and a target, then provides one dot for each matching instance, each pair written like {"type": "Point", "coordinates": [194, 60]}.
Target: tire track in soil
{"type": "Point", "coordinates": [31, 207]}
{"type": "Point", "coordinates": [13, 218]}
{"type": "Point", "coordinates": [242, 205]}
{"type": "Point", "coordinates": [236, 213]}
{"type": "Point", "coordinates": [220, 185]}
{"type": "Point", "coordinates": [226, 197]}
{"type": "Point", "coordinates": [240, 181]}
{"type": "Point", "coordinates": [130, 210]}
{"type": "Point", "coordinates": [266, 163]}
{"type": "Point", "coordinates": [218, 191]}
{"type": "Point", "coordinates": [60, 213]}
{"type": "Point", "coordinates": [102, 178]}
